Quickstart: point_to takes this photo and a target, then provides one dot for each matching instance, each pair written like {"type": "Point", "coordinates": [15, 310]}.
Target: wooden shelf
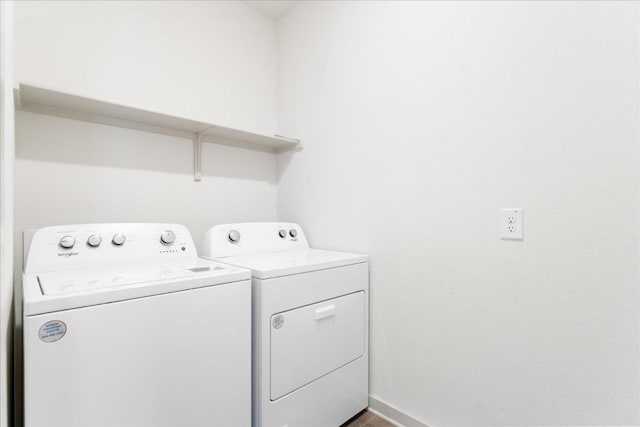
{"type": "Point", "coordinates": [44, 101]}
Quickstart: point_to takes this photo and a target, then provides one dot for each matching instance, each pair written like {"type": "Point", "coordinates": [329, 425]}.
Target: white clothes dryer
{"type": "Point", "coordinates": [125, 326]}
{"type": "Point", "coordinates": [310, 324]}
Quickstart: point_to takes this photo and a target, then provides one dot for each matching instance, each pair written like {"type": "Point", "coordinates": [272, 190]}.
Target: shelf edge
{"type": "Point", "coordinates": [212, 133]}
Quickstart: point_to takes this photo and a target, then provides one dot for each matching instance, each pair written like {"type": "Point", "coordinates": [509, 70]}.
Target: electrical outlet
{"type": "Point", "coordinates": [511, 224]}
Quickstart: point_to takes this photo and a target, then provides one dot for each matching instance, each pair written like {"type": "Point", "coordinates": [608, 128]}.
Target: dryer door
{"type": "Point", "coordinates": [311, 341]}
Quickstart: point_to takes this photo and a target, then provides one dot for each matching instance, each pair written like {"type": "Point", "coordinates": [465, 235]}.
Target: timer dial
{"type": "Point", "coordinates": [167, 237]}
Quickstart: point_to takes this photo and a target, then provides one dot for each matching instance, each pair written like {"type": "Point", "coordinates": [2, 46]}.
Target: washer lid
{"type": "Point", "coordinates": [85, 280]}
{"type": "Point", "coordinates": [276, 264]}
{"type": "Point", "coordinates": [63, 290]}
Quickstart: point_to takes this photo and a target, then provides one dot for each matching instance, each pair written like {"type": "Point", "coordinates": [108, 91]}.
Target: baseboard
{"type": "Point", "coordinates": [393, 414]}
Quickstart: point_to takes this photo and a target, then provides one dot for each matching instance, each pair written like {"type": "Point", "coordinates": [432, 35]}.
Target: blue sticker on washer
{"type": "Point", "coordinates": [52, 331]}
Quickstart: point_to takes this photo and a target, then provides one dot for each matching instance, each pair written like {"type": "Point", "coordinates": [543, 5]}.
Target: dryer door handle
{"type": "Point", "coordinates": [326, 311]}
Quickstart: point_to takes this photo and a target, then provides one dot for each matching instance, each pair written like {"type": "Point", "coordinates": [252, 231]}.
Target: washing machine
{"type": "Point", "coordinates": [125, 326]}
{"type": "Point", "coordinates": [310, 323]}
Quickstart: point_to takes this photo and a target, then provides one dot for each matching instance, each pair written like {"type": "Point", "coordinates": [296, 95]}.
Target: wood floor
{"type": "Point", "coordinates": [367, 419]}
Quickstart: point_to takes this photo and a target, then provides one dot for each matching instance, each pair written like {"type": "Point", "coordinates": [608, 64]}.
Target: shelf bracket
{"type": "Point", "coordinates": [197, 154]}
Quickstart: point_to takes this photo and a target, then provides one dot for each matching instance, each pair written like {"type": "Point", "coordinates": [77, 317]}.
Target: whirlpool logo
{"type": "Point", "coordinates": [67, 254]}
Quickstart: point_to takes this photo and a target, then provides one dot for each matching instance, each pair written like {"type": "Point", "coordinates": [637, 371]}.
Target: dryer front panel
{"type": "Point", "coordinates": [311, 341]}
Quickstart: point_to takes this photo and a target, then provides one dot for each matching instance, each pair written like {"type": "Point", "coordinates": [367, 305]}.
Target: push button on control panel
{"type": "Point", "coordinates": [67, 242]}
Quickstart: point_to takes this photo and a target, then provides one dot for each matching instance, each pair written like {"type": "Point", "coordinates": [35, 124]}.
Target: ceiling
{"type": "Point", "coordinates": [274, 9]}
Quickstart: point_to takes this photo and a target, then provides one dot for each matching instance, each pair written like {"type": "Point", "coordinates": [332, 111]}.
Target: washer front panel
{"type": "Point", "coordinates": [176, 359]}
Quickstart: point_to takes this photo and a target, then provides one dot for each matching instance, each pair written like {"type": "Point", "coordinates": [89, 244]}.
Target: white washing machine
{"type": "Point", "coordinates": [310, 324]}
{"type": "Point", "coordinates": [125, 326]}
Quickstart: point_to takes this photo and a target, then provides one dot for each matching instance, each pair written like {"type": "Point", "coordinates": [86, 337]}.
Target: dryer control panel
{"type": "Point", "coordinates": [252, 238]}
{"type": "Point", "coordinates": [87, 245]}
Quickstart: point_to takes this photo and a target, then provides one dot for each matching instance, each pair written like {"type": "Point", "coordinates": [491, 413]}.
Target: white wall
{"type": "Point", "coordinates": [420, 120]}
{"type": "Point", "coordinates": [213, 61]}
{"type": "Point", "coordinates": [203, 60]}
{"type": "Point", "coordinates": [7, 154]}
{"type": "Point", "coordinates": [209, 61]}
{"type": "Point", "coordinates": [71, 172]}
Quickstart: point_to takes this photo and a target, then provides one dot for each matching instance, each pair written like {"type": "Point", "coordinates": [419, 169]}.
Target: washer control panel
{"type": "Point", "coordinates": [252, 237]}
{"type": "Point", "coordinates": [85, 245]}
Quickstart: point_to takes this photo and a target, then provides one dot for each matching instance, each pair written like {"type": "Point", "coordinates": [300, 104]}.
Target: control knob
{"type": "Point", "coordinates": [293, 232]}
{"type": "Point", "coordinates": [167, 237]}
{"type": "Point", "coordinates": [67, 242]}
{"type": "Point", "coordinates": [94, 240]}
{"type": "Point", "coordinates": [282, 233]}
{"type": "Point", "coordinates": [234, 236]}
{"type": "Point", "coordinates": [118, 239]}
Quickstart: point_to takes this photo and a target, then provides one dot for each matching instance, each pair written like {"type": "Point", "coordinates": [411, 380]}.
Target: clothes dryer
{"type": "Point", "coordinates": [310, 323]}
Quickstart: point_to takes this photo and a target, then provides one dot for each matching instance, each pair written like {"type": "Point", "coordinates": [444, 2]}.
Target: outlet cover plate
{"type": "Point", "coordinates": [511, 224]}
